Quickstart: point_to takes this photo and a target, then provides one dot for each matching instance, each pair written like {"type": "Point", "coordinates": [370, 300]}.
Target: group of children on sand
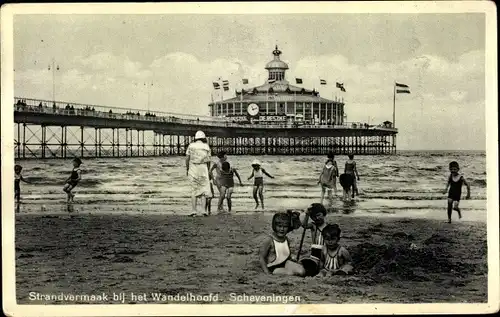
{"type": "Point", "coordinates": [327, 258]}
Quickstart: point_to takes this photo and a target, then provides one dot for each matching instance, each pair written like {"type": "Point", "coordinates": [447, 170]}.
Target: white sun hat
{"type": "Point", "coordinates": [255, 162]}
{"type": "Point", "coordinates": [199, 135]}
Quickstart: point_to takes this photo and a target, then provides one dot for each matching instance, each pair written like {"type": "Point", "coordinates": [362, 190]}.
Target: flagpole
{"type": "Point", "coordinates": [394, 106]}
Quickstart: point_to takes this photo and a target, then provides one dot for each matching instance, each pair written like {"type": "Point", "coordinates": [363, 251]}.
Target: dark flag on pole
{"type": "Point", "coordinates": [298, 80]}
{"type": "Point", "coordinates": [245, 81]}
{"type": "Point", "coordinates": [216, 85]}
{"type": "Point", "coordinates": [341, 86]}
{"type": "Point", "coordinates": [405, 89]}
{"type": "Point", "coordinates": [322, 82]}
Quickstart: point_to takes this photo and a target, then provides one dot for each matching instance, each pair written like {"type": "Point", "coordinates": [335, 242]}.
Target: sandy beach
{"type": "Point", "coordinates": [174, 254]}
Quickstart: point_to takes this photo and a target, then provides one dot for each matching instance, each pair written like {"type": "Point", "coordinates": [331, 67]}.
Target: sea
{"type": "Point", "coordinates": [408, 184]}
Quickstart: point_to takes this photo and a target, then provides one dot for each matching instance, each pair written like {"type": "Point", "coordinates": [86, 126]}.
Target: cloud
{"type": "Point", "coordinates": [446, 96]}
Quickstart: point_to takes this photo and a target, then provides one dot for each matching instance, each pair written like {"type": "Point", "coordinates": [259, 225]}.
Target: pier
{"type": "Point", "coordinates": [46, 129]}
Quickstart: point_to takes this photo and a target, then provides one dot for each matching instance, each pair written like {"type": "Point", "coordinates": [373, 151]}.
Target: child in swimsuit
{"type": "Point", "coordinates": [221, 158]}
{"type": "Point", "coordinates": [335, 259]}
{"type": "Point", "coordinates": [455, 182]}
{"type": "Point", "coordinates": [17, 183]}
{"type": "Point", "coordinates": [72, 181]}
{"type": "Point", "coordinates": [317, 214]}
{"type": "Point", "coordinates": [350, 168]}
{"type": "Point", "coordinates": [208, 204]}
{"type": "Point", "coordinates": [258, 185]}
{"type": "Point", "coordinates": [274, 254]}
{"type": "Point", "coordinates": [328, 178]}
{"type": "Point", "coordinates": [347, 183]}
{"type": "Point", "coordinates": [226, 182]}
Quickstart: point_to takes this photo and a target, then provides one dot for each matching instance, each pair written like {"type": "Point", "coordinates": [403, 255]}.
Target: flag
{"type": "Point", "coordinates": [271, 81]}
{"type": "Point", "coordinates": [341, 86]}
{"type": "Point", "coordinates": [405, 90]}
{"type": "Point", "coordinates": [298, 80]}
{"type": "Point", "coordinates": [216, 85]}
{"type": "Point", "coordinates": [245, 81]}
{"type": "Point", "coordinates": [322, 82]}
{"type": "Point", "coordinates": [225, 83]}
{"type": "Point", "coordinates": [226, 88]}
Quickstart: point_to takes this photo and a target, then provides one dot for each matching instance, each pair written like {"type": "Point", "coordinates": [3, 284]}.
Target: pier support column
{"type": "Point", "coordinates": [44, 140]}
{"type": "Point", "coordinates": [81, 141]}
{"type": "Point", "coordinates": [96, 142]}
{"type": "Point", "coordinates": [113, 141]}
{"type": "Point", "coordinates": [18, 143]}
{"type": "Point", "coordinates": [118, 141]}
{"type": "Point", "coordinates": [100, 143]}
{"type": "Point", "coordinates": [24, 140]}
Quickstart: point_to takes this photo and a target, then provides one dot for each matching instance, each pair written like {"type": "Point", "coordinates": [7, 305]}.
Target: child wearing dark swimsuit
{"type": "Point", "coordinates": [226, 182]}
{"type": "Point", "coordinates": [74, 178]}
{"type": "Point", "coordinates": [258, 186]}
{"type": "Point", "coordinates": [455, 183]}
{"type": "Point", "coordinates": [350, 168]}
{"type": "Point", "coordinates": [17, 183]}
{"type": "Point", "coordinates": [274, 254]}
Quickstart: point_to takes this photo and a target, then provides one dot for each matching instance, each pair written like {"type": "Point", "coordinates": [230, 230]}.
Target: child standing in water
{"type": "Point", "coordinates": [74, 178]}
{"type": "Point", "coordinates": [335, 258]}
{"type": "Point", "coordinates": [455, 182]}
{"type": "Point", "coordinates": [226, 182]}
{"type": "Point", "coordinates": [274, 254]}
{"type": "Point", "coordinates": [328, 178]}
{"type": "Point", "coordinates": [208, 203]}
{"type": "Point", "coordinates": [17, 183]}
{"type": "Point", "coordinates": [347, 181]}
{"type": "Point", "coordinates": [258, 185]}
{"type": "Point", "coordinates": [350, 168]}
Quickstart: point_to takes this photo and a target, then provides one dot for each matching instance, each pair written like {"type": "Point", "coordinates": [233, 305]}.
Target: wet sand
{"type": "Point", "coordinates": [174, 254]}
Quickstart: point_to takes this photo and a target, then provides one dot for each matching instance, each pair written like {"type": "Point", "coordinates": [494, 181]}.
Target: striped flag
{"type": "Point", "coordinates": [226, 88]}
{"type": "Point", "coordinates": [322, 82]}
{"type": "Point", "coordinates": [405, 89]}
{"type": "Point", "coordinates": [225, 83]}
{"type": "Point", "coordinates": [245, 81]}
{"type": "Point", "coordinates": [216, 85]}
{"type": "Point", "coordinates": [298, 80]}
{"type": "Point", "coordinates": [341, 86]}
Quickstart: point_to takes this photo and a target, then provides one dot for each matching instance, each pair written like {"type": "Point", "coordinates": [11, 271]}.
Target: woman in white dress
{"type": "Point", "coordinates": [197, 165]}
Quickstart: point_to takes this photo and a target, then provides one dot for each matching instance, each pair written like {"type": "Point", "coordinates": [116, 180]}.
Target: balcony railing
{"type": "Point", "coordinates": [85, 110]}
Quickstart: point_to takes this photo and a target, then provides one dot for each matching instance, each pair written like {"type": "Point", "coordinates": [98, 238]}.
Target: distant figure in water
{"type": "Point", "coordinates": [73, 179]}
{"type": "Point", "coordinates": [258, 185]}
{"type": "Point", "coordinates": [197, 165]}
{"type": "Point", "coordinates": [274, 254]}
{"type": "Point", "coordinates": [347, 183]}
{"type": "Point", "coordinates": [335, 259]}
{"type": "Point", "coordinates": [455, 183]}
{"type": "Point", "coordinates": [226, 181]}
{"type": "Point", "coordinates": [350, 168]}
{"type": "Point", "coordinates": [17, 184]}
{"type": "Point", "coordinates": [328, 178]}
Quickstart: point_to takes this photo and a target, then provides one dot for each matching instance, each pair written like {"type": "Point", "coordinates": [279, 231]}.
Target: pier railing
{"type": "Point", "coordinates": [75, 109]}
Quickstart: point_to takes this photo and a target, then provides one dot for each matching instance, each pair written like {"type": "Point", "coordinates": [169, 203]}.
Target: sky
{"type": "Point", "coordinates": [106, 60]}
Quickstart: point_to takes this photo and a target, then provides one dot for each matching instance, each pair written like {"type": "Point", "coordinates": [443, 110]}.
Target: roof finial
{"type": "Point", "coordinates": [277, 52]}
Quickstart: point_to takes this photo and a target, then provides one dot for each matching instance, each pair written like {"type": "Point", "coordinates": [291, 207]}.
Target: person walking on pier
{"type": "Point", "coordinates": [258, 186]}
{"type": "Point", "coordinates": [350, 168]}
{"type": "Point", "coordinates": [197, 165]}
{"type": "Point", "coordinates": [73, 179]}
{"type": "Point", "coordinates": [328, 178]}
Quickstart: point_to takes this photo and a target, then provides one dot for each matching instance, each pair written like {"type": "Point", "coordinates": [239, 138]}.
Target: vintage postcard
{"type": "Point", "coordinates": [249, 158]}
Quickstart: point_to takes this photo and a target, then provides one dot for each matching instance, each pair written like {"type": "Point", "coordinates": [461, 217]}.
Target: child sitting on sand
{"type": "Point", "coordinates": [350, 168]}
{"type": "Point", "coordinates": [335, 259]}
{"type": "Point", "coordinates": [317, 214]}
{"type": "Point", "coordinates": [226, 182]}
{"type": "Point", "coordinates": [328, 178]}
{"type": "Point", "coordinates": [73, 179]}
{"type": "Point", "coordinates": [258, 185]}
{"type": "Point", "coordinates": [455, 182]}
{"type": "Point", "coordinates": [274, 254]}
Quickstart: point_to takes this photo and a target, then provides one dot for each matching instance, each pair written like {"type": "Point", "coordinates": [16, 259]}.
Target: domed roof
{"type": "Point", "coordinates": [276, 62]}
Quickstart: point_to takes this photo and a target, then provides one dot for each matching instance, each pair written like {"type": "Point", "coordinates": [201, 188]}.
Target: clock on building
{"type": "Point", "coordinates": [253, 109]}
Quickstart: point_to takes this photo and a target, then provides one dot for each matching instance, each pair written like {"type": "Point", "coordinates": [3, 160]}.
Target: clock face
{"type": "Point", "coordinates": [253, 109]}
